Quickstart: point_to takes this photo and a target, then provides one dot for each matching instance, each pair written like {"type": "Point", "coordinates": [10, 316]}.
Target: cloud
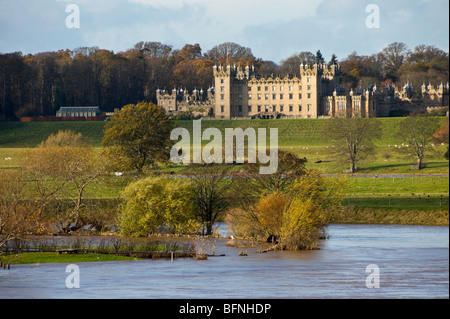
{"type": "Point", "coordinates": [235, 15]}
{"type": "Point", "coordinates": [273, 29]}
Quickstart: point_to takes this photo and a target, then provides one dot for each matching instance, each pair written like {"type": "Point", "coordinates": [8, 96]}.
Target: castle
{"type": "Point", "coordinates": [318, 93]}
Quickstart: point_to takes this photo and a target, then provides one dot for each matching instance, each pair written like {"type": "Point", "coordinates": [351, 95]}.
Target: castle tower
{"type": "Point", "coordinates": [311, 84]}
{"type": "Point", "coordinates": [223, 79]}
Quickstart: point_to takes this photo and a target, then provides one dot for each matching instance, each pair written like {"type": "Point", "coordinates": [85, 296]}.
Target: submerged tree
{"type": "Point", "coordinates": [292, 219]}
{"type": "Point", "coordinates": [210, 193]}
{"type": "Point", "coordinates": [154, 205]}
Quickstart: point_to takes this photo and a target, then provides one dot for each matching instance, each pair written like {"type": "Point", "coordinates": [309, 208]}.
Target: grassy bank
{"type": "Point", "coordinates": [358, 215]}
{"type": "Point", "coordinates": [52, 257]}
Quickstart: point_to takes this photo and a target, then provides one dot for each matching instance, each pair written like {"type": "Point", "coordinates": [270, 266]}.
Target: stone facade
{"type": "Point", "coordinates": [239, 94]}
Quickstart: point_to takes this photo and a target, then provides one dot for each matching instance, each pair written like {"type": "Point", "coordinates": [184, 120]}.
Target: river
{"type": "Point", "coordinates": [413, 262]}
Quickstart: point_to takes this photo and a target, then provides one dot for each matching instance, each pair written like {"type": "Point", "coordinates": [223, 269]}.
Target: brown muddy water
{"type": "Point", "coordinates": [412, 262]}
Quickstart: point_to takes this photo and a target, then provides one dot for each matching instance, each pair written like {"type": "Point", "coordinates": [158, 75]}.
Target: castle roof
{"type": "Point", "coordinates": [79, 109]}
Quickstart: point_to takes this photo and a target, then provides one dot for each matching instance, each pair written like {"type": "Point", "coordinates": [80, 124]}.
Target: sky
{"type": "Point", "coordinates": [273, 29]}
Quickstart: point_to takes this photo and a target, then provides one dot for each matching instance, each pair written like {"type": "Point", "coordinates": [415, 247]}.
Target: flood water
{"type": "Point", "coordinates": [413, 262]}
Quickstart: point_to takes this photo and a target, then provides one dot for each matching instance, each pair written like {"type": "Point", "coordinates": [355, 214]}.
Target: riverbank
{"type": "Point", "coordinates": [53, 257]}
{"type": "Point", "coordinates": [392, 216]}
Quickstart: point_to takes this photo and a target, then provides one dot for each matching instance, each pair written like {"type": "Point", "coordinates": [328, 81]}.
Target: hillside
{"type": "Point", "coordinates": [301, 136]}
{"type": "Point", "coordinates": [298, 132]}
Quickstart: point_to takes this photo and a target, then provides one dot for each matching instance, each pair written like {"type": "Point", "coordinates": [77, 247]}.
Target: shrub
{"type": "Point", "coordinates": [159, 204]}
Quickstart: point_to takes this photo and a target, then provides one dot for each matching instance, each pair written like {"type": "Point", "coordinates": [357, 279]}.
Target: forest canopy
{"type": "Point", "coordinates": [39, 84]}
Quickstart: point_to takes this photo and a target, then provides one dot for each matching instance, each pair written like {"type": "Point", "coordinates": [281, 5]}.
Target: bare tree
{"type": "Point", "coordinates": [61, 164]}
{"type": "Point", "coordinates": [19, 217]}
{"type": "Point", "coordinates": [210, 190]}
{"type": "Point", "coordinates": [417, 132]}
{"type": "Point", "coordinates": [353, 138]}
{"type": "Point", "coordinates": [231, 49]}
{"type": "Point", "coordinates": [393, 57]}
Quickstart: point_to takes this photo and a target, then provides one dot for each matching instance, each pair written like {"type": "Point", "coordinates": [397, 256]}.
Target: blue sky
{"type": "Point", "coordinates": [273, 29]}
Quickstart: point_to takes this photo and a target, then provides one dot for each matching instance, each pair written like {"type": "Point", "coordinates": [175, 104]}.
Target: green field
{"type": "Point", "coordinates": [301, 136]}
{"type": "Point", "coordinates": [291, 132]}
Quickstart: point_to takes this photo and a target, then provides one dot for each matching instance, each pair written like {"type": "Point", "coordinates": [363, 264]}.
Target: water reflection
{"type": "Point", "coordinates": [413, 262]}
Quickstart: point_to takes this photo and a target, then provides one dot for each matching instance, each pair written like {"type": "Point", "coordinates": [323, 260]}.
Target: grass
{"type": "Point", "coordinates": [300, 136]}
{"type": "Point", "coordinates": [31, 134]}
{"type": "Point", "coordinates": [358, 215]}
{"type": "Point", "coordinates": [53, 257]}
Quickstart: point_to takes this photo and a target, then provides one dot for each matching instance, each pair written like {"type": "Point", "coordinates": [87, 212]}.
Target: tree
{"type": "Point", "coordinates": [253, 185]}
{"type": "Point", "coordinates": [353, 138]}
{"type": "Point", "coordinates": [161, 204]}
{"type": "Point", "coordinates": [19, 216]}
{"type": "Point", "coordinates": [307, 57]}
{"type": "Point", "coordinates": [333, 60]}
{"type": "Point", "coordinates": [210, 192]}
{"type": "Point", "coordinates": [219, 53]}
{"type": "Point", "coordinates": [441, 136]}
{"type": "Point", "coordinates": [63, 163]}
{"type": "Point", "coordinates": [417, 132]}
{"type": "Point", "coordinates": [319, 58]}
{"type": "Point", "coordinates": [139, 136]}
{"type": "Point", "coordinates": [393, 57]}
{"type": "Point", "coordinates": [292, 219]}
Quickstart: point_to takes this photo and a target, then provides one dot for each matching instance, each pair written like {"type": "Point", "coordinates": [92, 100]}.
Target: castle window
{"type": "Point", "coordinates": [222, 89]}
{"type": "Point", "coordinates": [266, 96]}
{"type": "Point", "coordinates": [274, 88]}
{"type": "Point", "coordinates": [291, 88]}
{"type": "Point", "coordinates": [240, 108]}
{"type": "Point", "coordinates": [222, 108]}
{"type": "Point", "coordinates": [249, 88]}
{"type": "Point", "coordinates": [291, 96]}
{"type": "Point", "coordinates": [300, 88]}
{"type": "Point", "coordinates": [357, 105]}
{"type": "Point", "coordinates": [309, 107]}
{"type": "Point", "coordinates": [222, 96]}
{"type": "Point", "coordinates": [249, 96]}
{"type": "Point", "coordinates": [309, 87]}
{"type": "Point", "coordinates": [281, 108]}
{"type": "Point", "coordinates": [327, 106]}
{"type": "Point", "coordinates": [259, 108]}
{"type": "Point", "coordinates": [299, 108]}
{"type": "Point", "coordinates": [249, 108]}
{"type": "Point", "coordinates": [259, 96]}
{"type": "Point", "coordinates": [274, 108]}
{"type": "Point", "coordinates": [266, 107]}
{"type": "Point", "coordinates": [308, 80]}
{"type": "Point", "coordinates": [291, 108]}
{"type": "Point", "coordinates": [299, 95]}
{"type": "Point", "coordinates": [309, 95]}
{"type": "Point", "coordinates": [259, 88]}
{"type": "Point", "coordinates": [281, 88]}
{"type": "Point", "coordinates": [274, 96]}
{"type": "Point", "coordinates": [221, 81]}
{"type": "Point", "coordinates": [266, 88]}
{"type": "Point", "coordinates": [240, 97]}
{"type": "Point", "coordinates": [281, 96]}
